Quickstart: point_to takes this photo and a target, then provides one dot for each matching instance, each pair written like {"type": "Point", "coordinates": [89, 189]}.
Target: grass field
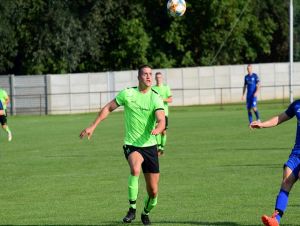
{"type": "Point", "coordinates": [215, 171]}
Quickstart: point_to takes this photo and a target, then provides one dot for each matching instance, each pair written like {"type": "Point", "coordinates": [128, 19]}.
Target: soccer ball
{"type": "Point", "coordinates": [176, 7]}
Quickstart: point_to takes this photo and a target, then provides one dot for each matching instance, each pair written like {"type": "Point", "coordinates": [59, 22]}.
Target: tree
{"type": "Point", "coordinates": [65, 36]}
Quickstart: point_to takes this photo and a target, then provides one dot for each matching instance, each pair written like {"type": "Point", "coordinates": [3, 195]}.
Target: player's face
{"type": "Point", "coordinates": [145, 77]}
{"type": "Point", "coordinates": [249, 69]}
{"type": "Point", "coordinates": [158, 78]}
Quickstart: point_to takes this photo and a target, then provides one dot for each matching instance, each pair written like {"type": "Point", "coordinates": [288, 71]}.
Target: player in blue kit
{"type": "Point", "coordinates": [291, 167]}
{"type": "Point", "coordinates": [1, 109]}
{"type": "Point", "coordinates": [252, 84]}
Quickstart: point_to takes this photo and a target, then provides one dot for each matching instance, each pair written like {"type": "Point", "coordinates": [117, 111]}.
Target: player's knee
{"type": "Point", "coordinates": [135, 171]}
{"type": "Point", "coordinates": [153, 193]}
{"type": "Point", "coordinates": [287, 184]}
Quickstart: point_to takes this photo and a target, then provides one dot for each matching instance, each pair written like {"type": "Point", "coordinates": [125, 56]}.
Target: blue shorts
{"type": "Point", "coordinates": [1, 106]}
{"type": "Point", "coordinates": [251, 102]}
{"type": "Point", "coordinates": [294, 164]}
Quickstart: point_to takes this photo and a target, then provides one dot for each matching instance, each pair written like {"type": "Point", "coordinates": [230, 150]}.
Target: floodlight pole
{"type": "Point", "coordinates": [291, 52]}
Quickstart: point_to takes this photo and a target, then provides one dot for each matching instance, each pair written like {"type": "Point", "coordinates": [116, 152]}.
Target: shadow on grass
{"type": "Point", "coordinates": [252, 165]}
{"type": "Point", "coordinates": [117, 223]}
{"type": "Point", "coordinates": [201, 223]}
{"type": "Point", "coordinates": [253, 149]}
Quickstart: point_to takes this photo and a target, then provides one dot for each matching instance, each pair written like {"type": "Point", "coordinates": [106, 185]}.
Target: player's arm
{"type": "Point", "coordinates": [168, 100]}
{"type": "Point", "coordinates": [160, 122]}
{"type": "Point", "coordinates": [257, 89]}
{"type": "Point", "coordinates": [169, 96]}
{"type": "Point", "coordinates": [105, 111]}
{"type": "Point", "coordinates": [271, 122]}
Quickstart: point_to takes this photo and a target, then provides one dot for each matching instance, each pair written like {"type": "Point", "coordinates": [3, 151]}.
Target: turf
{"type": "Point", "coordinates": [215, 171]}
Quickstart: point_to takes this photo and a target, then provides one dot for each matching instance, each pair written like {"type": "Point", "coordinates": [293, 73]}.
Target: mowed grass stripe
{"type": "Point", "coordinates": [215, 172]}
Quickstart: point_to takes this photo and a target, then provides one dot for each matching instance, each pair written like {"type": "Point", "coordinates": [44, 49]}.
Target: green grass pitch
{"type": "Point", "coordinates": [215, 171]}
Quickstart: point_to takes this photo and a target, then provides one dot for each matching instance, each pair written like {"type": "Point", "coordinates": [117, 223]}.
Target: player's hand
{"type": "Point", "coordinates": [87, 132]}
{"type": "Point", "coordinates": [242, 98]}
{"type": "Point", "coordinates": [155, 132]}
{"type": "Point", "coordinates": [160, 153]}
{"type": "Point", "coordinates": [255, 125]}
{"type": "Point", "coordinates": [255, 94]}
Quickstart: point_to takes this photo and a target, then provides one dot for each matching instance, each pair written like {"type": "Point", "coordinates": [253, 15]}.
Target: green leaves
{"type": "Point", "coordinates": [133, 43]}
{"type": "Point", "coordinates": [39, 37]}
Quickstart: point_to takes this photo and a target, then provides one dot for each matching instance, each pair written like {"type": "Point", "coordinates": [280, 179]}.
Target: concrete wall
{"type": "Point", "coordinates": [27, 93]}
{"type": "Point", "coordinates": [190, 86]}
{"type": "Point", "coordinates": [87, 92]}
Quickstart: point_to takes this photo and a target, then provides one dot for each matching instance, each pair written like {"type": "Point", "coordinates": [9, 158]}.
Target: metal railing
{"type": "Point", "coordinates": [68, 103]}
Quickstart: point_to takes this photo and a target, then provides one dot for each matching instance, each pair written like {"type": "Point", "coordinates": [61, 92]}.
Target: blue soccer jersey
{"type": "Point", "coordinates": [294, 110]}
{"type": "Point", "coordinates": [251, 82]}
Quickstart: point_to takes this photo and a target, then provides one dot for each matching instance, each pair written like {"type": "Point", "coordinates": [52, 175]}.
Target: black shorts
{"type": "Point", "coordinates": [150, 163]}
{"type": "Point", "coordinates": [3, 119]}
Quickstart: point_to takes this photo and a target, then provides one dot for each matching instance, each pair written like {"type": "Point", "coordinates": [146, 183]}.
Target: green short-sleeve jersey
{"type": "Point", "coordinates": [3, 97]}
{"type": "Point", "coordinates": [164, 91]}
{"type": "Point", "coordinates": [139, 115]}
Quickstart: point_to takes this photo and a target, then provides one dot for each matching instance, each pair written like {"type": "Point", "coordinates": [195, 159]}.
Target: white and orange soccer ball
{"type": "Point", "coordinates": [176, 7]}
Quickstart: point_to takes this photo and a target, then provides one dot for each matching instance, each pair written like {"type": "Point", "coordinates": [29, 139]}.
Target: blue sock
{"type": "Point", "coordinates": [250, 116]}
{"type": "Point", "coordinates": [257, 115]}
{"type": "Point", "coordinates": [281, 203]}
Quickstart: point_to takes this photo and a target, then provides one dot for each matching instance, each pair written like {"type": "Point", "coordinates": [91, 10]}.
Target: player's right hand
{"type": "Point", "coordinates": [255, 125]}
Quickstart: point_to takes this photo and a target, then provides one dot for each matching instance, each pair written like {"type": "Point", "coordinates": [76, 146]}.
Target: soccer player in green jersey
{"type": "Point", "coordinates": [165, 93]}
{"type": "Point", "coordinates": [144, 119]}
{"type": "Point", "coordinates": [4, 98]}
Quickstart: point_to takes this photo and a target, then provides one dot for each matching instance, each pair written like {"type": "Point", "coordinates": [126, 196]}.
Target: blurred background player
{"type": "Point", "coordinates": [4, 98]}
{"type": "Point", "coordinates": [2, 112]}
{"type": "Point", "coordinates": [291, 167]}
{"type": "Point", "coordinates": [144, 119]}
{"type": "Point", "coordinates": [252, 84]}
{"type": "Point", "coordinates": [165, 92]}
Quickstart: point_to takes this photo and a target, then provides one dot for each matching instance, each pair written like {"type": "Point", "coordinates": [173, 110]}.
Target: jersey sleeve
{"type": "Point", "coordinates": [257, 79]}
{"type": "Point", "coordinates": [5, 94]}
{"type": "Point", "coordinates": [291, 111]}
{"type": "Point", "coordinates": [169, 93]}
{"type": "Point", "coordinates": [120, 98]}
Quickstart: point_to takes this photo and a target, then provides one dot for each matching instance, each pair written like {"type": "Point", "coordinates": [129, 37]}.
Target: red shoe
{"type": "Point", "coordinates": [270, 221]}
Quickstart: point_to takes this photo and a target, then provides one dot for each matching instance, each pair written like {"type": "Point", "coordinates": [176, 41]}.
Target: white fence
{"type": "Point", "coordinates": [190, 86]}
{"type": "Point", "coordinates": [74, 93]}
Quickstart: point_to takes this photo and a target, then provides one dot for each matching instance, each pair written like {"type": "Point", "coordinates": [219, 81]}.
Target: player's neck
{"type": "Point", "coordinates": [143, 88]}
{"type": "Point", "coordinates": [159, 84]}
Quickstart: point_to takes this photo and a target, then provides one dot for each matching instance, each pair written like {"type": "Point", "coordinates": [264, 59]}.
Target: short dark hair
{"type": "Point", "coordinates": [158, 73]}
{"type": "Point", "coordinates": [142, 67]}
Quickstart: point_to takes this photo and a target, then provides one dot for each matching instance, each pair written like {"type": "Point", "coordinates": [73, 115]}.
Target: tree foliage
{"type": "Point", "coordinates": [64, 36]}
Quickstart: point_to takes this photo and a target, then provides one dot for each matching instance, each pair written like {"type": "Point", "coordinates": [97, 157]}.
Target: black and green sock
{"type": "Point", "coordinates": [150, 203]}
{"type": "Point", "coordinates": [7, 129]}
{"type": "Point", "coordinates": [133, 189]}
